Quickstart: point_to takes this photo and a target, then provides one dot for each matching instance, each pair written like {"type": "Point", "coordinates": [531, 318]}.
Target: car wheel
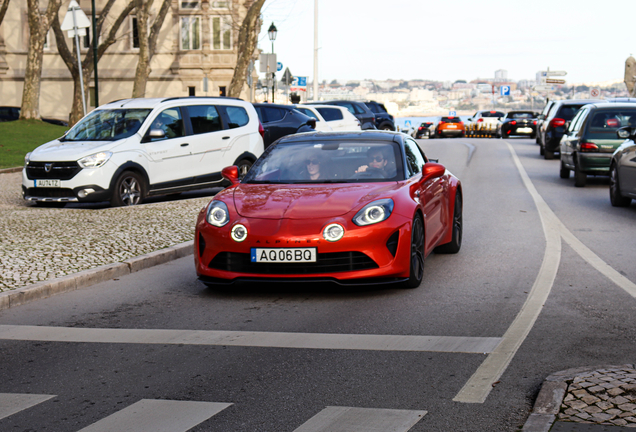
{"type": "Point", "coordinates": [548, 155]}
{"type": "Point", "coordinates": [416, 273]}
{"type": "Point", "coordinates": [580, 178]}
{"type": "Point", "coordinates": [244, 166]}
{"type": "Point", "coordinates": [533, 136]}
{"type": "Point", "coordinates": [565, 172]}
{"type": "Point", "coordinates": [456, 242]}
{"type": "Point", "coordinates": [541, 149]}
{"type": "Point", "coordinates": [130, 189]}
{"type": "Point", "coordinates": [616, 198]}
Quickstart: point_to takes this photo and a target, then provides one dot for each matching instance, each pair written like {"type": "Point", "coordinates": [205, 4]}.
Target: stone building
{"type": "Point", "coordinates": [195, 56]}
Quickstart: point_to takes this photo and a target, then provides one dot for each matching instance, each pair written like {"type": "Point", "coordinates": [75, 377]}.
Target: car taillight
{"type": "Point", "coordinates": [556, 122]}
{"type": "Point", "coordinates": [420, 128]}
{"type": "Point", "coordinates": [612, 122]}
{"type": "Point", "coordinates": [480, 120]}
{"type": "Point", "coordinates": [514, 122]}
{"type": "Point", "coordinates": [441, 123]}
{"type": "Point", "coordinates": [261, 129]}
{"type": "Point", "coordinates": [534, 122]}
{"type": "Point", "coordinates": [588, 147]}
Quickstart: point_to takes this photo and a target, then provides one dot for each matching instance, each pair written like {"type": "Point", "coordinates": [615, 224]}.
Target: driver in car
{"type": "Point", "coordinates": [378, 164]}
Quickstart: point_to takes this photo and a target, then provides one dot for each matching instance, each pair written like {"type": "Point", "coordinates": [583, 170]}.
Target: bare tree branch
{"type": "Point", "coordinates": [4, 4]}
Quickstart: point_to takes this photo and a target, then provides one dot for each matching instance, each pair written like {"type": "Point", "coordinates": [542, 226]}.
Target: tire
{"type": "Point", "coordinates": [548, 155]}
{"type": "Point", "coordinates": [130, 189]}
{"type": "Point", "coordinates": [541, 149]}
{"type": "Point", "coordinates": [565, 172]}
{"type": "Point", "coordinates": [456, 242]}
{"type": "Point", "coordinates": [534, 137]}
{"type": "Point", "coordinates": [580, 178]}
{"type": "Point", "coordinates": [244, 166]}
{"type": "Point", "coordinates": [616, 198]}
{"type": "Point", "coordinates": [416, 272]}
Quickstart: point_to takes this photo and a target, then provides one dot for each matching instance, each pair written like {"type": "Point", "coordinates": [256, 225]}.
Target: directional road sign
{"type": "Point", "coordinates": [543, 88]}
{"type": "Point", "coordinates": [556, 73]}
{"type": "Point", "coordinates": [505, 90]}
{"type": "Point", "coordinates": [554, 81]}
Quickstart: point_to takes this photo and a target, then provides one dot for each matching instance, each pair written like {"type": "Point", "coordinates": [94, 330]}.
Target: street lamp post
{"type": "Point", "coordinates": [271, 32]}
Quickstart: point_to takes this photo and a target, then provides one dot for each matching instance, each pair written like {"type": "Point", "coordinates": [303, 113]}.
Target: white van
{"type": "Point", "coordinates": [127, 150]}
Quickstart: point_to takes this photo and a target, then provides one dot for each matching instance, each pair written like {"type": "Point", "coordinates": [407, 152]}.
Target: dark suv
{"type": "Point", "coordinates": [358, 109]}
{"type": "Point", "coordinates": [553, 126]}
{"type": "Point", "coordinates": [383, 120]}
{"type": "Point", "coordinates": [279, 120]}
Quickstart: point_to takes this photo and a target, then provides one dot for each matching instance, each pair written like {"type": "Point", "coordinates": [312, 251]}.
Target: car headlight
{"type": "Point", "coordinates": [333, 232]}
{"type": "Point", "coordinates": [27, 158]}
{"type": "Point", "coordinates": [94, 161]}
{"type": "Point", "coordinates": [239, 233]}
{"type": "Point", "coordinates": [374, 212]}
{"type": "Point", "coordinates": [217, 215]}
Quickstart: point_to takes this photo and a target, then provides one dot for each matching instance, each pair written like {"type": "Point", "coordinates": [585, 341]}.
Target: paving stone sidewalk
{"type": "Point", "coordinates": [38, 244]}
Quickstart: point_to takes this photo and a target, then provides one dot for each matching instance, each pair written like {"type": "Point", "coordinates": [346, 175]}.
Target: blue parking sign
{"type": "Point", "coordinates": [452, 113]}
{"type": "Point", "coordinates": [505, 90]}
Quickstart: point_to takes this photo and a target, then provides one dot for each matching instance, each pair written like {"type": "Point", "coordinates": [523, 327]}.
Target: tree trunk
{"type": "Point", "coordinates": [39, 25]}
{"type": "Point", "coordinates": [147, 43]}
{"type": "Point", "coordinates": [4, 4]}
{"type": "Point", "coordinates": [247, 41]}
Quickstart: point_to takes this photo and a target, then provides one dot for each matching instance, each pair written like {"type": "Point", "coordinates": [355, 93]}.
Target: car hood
{"type": "Point", "coordinates": [306, 201]}
{"type": "Point", "coordinates": [57, 150]}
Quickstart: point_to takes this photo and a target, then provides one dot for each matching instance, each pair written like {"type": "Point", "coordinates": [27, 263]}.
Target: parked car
{"type": "Point", "coordinates": [623, 169]}
{"type": "Point", "coordinates": [590, 139]}
{"type": "Point", "coordinates": [335, 118]}
{"type": "Point", "coordinates": [362, 225]}
{"type": "Point", "coordinates": [518, 123]}
{"type": "Point", "coordinates": [8, 113]}
{"type": "Point", "coordinates": [279, 120]}
{"type": "Point", "coordinates": [489, 117]}
{"type": "Point", "coordinates": [358, 109]}
{"type": "Point", "coordinates": [541, 120]}
{"type": "Point", "coordinates": [553, 126]}
{"type": "Point", "coordinates": [425, 129]}
{"type": "Point", "coordinates": [450, 126]}
{"type": "Point", "coordinates": [130, 149]}
{"type": "Point", "coordinates": [383, 120]}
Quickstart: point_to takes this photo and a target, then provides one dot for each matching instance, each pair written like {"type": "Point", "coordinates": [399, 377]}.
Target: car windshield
{"type": "Point", "coordinates": [492, 114]}
{"type": "Point", "coordinates": [604, 123]}
{"type": "Point", "coordinates": [107, 125]}
{"type": "Point", "coordinates": [328, 162]}
{"type": "Point", "coordinates": [521, 115]}
{"type": "Point", "coordinates": [451, 120]}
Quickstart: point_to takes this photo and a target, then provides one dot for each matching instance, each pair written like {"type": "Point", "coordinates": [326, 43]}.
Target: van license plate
{"type": "Point", "coordinates": [48, 183]}
{"type": "Point", "coordinates": [283, 255]}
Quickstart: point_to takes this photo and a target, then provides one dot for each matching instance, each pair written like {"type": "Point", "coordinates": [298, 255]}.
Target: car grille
{"type": "Point", "coordinates": [50, 193]}
{"type": "Point", "coordinates": [325, 263]}
{"type": "Point", "coordinates": [57, 170]}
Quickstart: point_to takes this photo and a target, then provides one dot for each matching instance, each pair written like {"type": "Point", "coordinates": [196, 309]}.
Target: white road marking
{"type": "Point", "coordinates": [158, 416]}
{"type": "Point", "coordinates": [345, 419]}
{"type": "Point", "coordinates": [454, 344]}
{"type": "Point", "coordinates": [11, 403]}
{"type": "Point", "coordinates": [478, 387]}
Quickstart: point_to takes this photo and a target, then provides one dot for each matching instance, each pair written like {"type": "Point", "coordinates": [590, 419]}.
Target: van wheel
{"type": "Point", "coordinates": [416, 273]}
{"type": "Point", "coordinates": [130, 189]}
{"type": "Point", "coordinates": [244, 166]}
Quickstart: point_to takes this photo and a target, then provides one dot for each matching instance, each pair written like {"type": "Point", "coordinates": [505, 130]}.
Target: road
{"type": "Point", "coordinates": [544, 282]}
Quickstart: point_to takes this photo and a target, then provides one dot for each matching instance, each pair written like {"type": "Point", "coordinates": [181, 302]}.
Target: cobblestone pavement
{"type": "Point", "coordinates": [39, 243]}
{"type": "Point", "coordinates": [605, 396]}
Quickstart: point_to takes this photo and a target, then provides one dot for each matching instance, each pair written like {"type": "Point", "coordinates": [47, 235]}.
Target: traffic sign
{"type": "Point", "coordinates": [553, 73]}
{"type": "Point", "coordinates": [452, 113]}
{"type": "Point", "coordinates": [505, 90]}
{"type": "Point", "coordinates": [299, 84]}
{"type": "Point", "coordinates": [279, 67]}
{"type": "Point", "coordinates": [595, 92]}
{"type": "Point", "coordinates": [543, 88]}
{"type": "Point", "coordinates": [75, 18]}
{"type": "Point", "coordinates": [287, 77]}
{"type": "Point", "coordinates": [554, 81]}
{"type": "Point", "coordinates": [267, 62]}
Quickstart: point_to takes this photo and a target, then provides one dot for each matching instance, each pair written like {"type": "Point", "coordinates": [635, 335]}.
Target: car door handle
{"type": "Point", "coordinates": [226, 137]}
{"type": "Point", "coordinates": [185, 144]}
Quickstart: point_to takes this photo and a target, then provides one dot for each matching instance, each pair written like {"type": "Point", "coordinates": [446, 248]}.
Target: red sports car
{"type": "Point", "coordinates": [352, 208]}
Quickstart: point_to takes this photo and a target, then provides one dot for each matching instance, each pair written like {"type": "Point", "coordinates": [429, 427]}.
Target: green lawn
{"type": "Point", "coordinates": [17, 138]}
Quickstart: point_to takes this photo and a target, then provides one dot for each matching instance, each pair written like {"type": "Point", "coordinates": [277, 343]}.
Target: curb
{"type": "Point", "coordinates": [10, 170]}
{"type": "Point", "coordinates": [551, 395]}
{"type": "Point", "coordinates": [93, 276]}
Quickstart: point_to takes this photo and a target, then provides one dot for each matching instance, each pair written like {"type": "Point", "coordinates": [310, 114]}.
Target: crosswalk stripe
{"type": "Point", "coordinates": [455, 344]}
{"type": "Point", "coordinates": [158, 416]}
{"type": "Point", "coordinates": [11, 403]}
{"type": "Point", "coordinates": [347, 419]}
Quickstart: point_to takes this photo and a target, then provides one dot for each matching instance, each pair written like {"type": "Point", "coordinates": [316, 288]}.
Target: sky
{"type": "Point", "coordinates": [452, 40]}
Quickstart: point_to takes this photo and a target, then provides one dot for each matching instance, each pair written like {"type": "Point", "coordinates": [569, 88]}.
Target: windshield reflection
{"type": "Point", "coordinates": [107, 125]}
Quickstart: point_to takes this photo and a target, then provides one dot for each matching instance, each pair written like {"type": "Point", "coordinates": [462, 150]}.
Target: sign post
{"type": "Point", "coordinates": [75, 23]}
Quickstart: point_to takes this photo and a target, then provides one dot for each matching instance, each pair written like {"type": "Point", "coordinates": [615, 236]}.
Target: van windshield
{"type": "Point", "coordinates": [107, 125]}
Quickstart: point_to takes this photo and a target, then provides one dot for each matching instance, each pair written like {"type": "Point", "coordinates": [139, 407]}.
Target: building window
{"type": "Point", "coordinates": [134, 33]}
{"type": "Point", "coordinates": [190, 4]}
{"type": "Point", "coordinates": [190, 33]}
{"type": "Point", "coordinates": [191, 91]}
{"type": "Point", "coordinates": [221, 4]}
{"type": "Point", "coordinates": [222, 33]}
{"type": "Point", "coordinates": [222, 91]}
{"type": "Point", "coordinates": [86, 39]}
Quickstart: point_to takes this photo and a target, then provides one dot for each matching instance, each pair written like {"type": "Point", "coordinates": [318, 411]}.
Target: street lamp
{"type": "Point", "coordinates": [272, 32]}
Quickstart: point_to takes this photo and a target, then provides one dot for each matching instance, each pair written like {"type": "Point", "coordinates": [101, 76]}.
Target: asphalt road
{"type": "Point", "coordinates": [525, 288]}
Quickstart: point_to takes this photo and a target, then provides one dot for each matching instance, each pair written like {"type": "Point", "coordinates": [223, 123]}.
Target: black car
{"type": "Point", "coordinates": [623, 169]}
{"type": "Point", "coordinates": [518, 123]}
{"type": "Point", "coordinates": [554, 125]}
{"type": "Point", "coordinates": [424, 130]}
{"type": "Point", "coordinates": [358, 109]}
{"type": "Point", "coordinates": [383, 120]}
{"type": "Point", "coordinates": [13, 113]}
{"type": "Point", "coordinates": [280, 120]}
{"type": "Point", "coordinates": [541, 119]}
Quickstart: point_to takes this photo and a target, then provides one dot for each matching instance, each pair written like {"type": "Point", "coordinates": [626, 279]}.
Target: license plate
{"type": "Point", "coordinates": [524, 130]}
{"type": "Point", "coordinates": [452, 127]}
{"type": "Point", "coordinates": [47, 183]}
{"type": "Point", "coordinates": [283, 255]}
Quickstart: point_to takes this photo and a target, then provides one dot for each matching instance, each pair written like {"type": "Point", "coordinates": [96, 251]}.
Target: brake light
{"type": "Point", "coordinates": [492, 112]}
{"type": "Point", "coordinates": [441, 122]}
{"type": "Point", "coordinates": [420, 128]}
{"type": "Point", "coordinates": [480, 120]}
{"type": "Point", "coordinates": [556, 122]}
{"type": "Point", "coordinates": [534, 122]}
{"type": "Point", "coordinates": [261, 130]}
{"type": "Point", "coordinates": [588, 147]}
{"type": "Point", "coordinates": [612, 122]}
{"type": "Point", "coordinates": [514, 122]}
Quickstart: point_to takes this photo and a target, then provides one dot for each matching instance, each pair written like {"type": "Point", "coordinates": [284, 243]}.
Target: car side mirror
{"type": "Point", "coordinates": [156, 133]}
{"type": "Point", "coordinates": [432, 170]}
{"type": "Point", "coordinates": [311, 123]}
{"type": "Point", "coordinates": [231, 173]}
{"type": "Point", "coordinates": [567, 127]}
{"type": "Point", "coordinates": [625, 132]}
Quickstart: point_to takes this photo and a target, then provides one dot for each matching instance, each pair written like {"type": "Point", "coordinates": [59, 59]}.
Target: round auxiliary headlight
{"type": "Point", "coordinates": [239, 233]}
{"type": "Point", "coordinates": [333, 232]}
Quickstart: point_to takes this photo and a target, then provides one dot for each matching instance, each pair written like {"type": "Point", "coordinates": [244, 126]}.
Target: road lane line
{"type": "Point", "coordinates": [478, 387]}
{"type": "Point", "coordinates": [158, 416]}
{"type": "Point", "coordinates": [12, 403]}
{"type": "Point", "coordinates": [454, 344]}
{"type": "Point", "coordinates": [346, 419]}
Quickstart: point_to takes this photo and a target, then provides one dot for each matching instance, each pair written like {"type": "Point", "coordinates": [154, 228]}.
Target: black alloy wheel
{"type": "Point", "coordinates": [417, 254]}
{"type": "Point", "coordinates": [458, 227]}
{"type": "Point", "coordinates": [129, 190]}
{"type": "Point", "coordinates": [564, 173]}
{"type": "Point", "coordinates": [616, 198]}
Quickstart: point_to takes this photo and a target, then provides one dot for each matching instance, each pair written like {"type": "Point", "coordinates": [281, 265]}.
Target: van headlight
{"type": "Point", "coordinates": [27, 158]}
{"type": "Point", "coordinates": [95, 160]}
{"type": "Point", "coordinates": [374, 212]}
{"type": "Point", "coordinates": [218, 215]}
